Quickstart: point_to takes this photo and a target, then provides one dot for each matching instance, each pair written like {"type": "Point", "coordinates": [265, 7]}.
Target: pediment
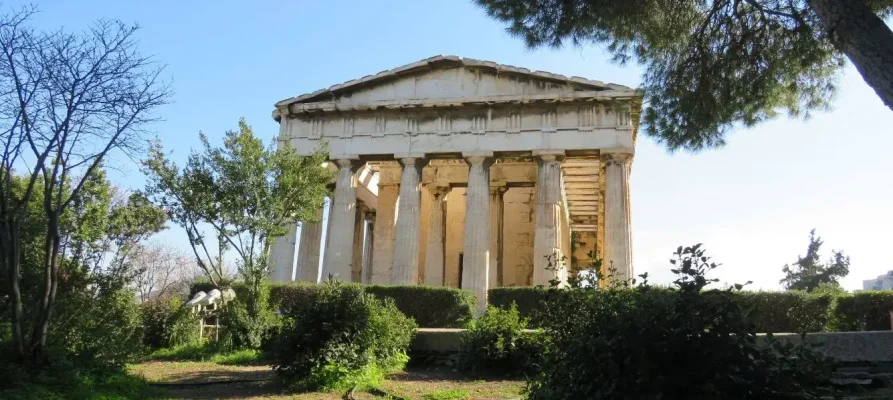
{"type": "Point", "coordinates": [449, 77]}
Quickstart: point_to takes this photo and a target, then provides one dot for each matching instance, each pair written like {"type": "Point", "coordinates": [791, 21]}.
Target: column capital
{"type": "Point", "coordinates": [437, 189]}
{"type": "Point", "coordinates": [347, 162]}
{"type": "Point", "coordinates": [497, 187]}
{"type": "Point", "coordinates": [549, 155]}
{"type": "Point", "coordinates": [617, 158]}
{"type": "Point", "coordinates": [413, 161]}
{"type": "Point", "coordinates": [483, 158]}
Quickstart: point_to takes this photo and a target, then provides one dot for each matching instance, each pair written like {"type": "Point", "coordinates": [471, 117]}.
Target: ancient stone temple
{"type": "Point", "coordinates": [465, 173]}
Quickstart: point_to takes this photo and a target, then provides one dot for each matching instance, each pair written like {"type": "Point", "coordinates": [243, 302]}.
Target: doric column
{"type": "Point", "coordinates": [282, 255]}
{"type": "Point", "coordinates": [309, 250]}
{"type": "Point", "coordinates": [496, 192]}
{"type": "Point", "coordinates": [356, 264]}
{"type": "Point", "coordinates": [383, 249]}
{"type": "Point", "coordinates": [406, 238]}
{"type": "Point", "coordinates": [434, 246]}
{"type": "Point", "coordinates": [546, 239]}
{"type": "Point", "coordinates": [368, 245]}
{"type": "Point", "coordinates": [618, 229]}
{"type": "Point", "coordinates": [476, 257]}
{"type": "Point", "coordinates": [339, 250]}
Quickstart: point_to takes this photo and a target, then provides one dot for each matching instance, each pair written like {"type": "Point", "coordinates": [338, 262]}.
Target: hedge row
{"type": "Point", "coordinates": [770, 311]}
{"type": "Point", "coordinates": [431, 307]}
{"type": "Point", "coordinates": [438, 307]}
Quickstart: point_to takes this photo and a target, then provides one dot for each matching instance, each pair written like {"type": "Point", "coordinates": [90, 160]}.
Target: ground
{"type": "Point", "coordinates": [205, 380]}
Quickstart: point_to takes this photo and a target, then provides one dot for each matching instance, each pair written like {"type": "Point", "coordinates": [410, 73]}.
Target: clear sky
{"type": "Point", "coordinates": [752, 203]}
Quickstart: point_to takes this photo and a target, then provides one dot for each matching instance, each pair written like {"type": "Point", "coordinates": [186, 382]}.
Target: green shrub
{"type": "Point", "coordinates": [793, 311]}
{"type": "Point", "coordinates": [529, 300]}
{"type": "Point", "coordinates": [98, 332]}
{"type": "Point", "coordinates": [430, 307]}
{"type": "Point", "coordinates": [156, 315]}
{"type": "Point", "coordinates": [640, 343]}
{"type": "Point", "coordinates": [776, 312]}
{"type": "Point", "coordinates": [340, 338]}
{"type": "Point", "coordinates": [245, 330]}
{"type": "Point", "coordinates": [864, 311]}
{"type": "Point", "coordinates": [497, 343]}
{"type": "Point", "coordinates": [182, 328]}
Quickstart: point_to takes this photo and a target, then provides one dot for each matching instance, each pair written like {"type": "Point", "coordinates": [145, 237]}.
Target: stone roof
{"type": "Point", "coordinates": [446, 61]}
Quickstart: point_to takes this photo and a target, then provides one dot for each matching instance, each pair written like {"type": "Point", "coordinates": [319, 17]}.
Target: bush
{"type": "Point", "coordinates": [245, 330]}
{"type": "Point", "coordinates": [864, 311]}
{"type": "Point", "coordinates": [497, 342]}
{"type": "Point", "coordinates": [181, 328]}
{"type": "Point", "coordinates": [430, 307]}
{"type": "Point", "coordinates": [156, 316]}
{"type": "Point", "coordinates": [529, 300]}
{"type": "Point", "coordinates": [652, 344]}
{"type": "Point", "coordinates": [342, 337]}
{"type": "Point", "coordinates": [98, 332]}
{"type": "Point", "coordinates": [793, 311]}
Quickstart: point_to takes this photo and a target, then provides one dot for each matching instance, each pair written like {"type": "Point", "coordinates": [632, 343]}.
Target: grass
{"type": "Point", "coordinates": [449, 394]}
{"type": "Point", "coordinates": [78, 387]}
{"type": "Point", "coordinates": [205, 352]}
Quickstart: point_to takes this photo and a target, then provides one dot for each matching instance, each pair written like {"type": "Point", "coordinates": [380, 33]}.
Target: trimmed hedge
{"type": "Point", "coordinates": [431, 307]}
{"type": "Point", "coordinates": [864, 311]}
{"type": "Point", "coordinates": [771, 311]}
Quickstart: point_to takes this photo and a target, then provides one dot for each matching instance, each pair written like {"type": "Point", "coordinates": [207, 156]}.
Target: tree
{"type": "Point", "coordinates": [713, 64]}
{"type": "Point", "coordinates": [808, 273]}
{"type": "Point", "coordinates": [161, 270]}
{"type": "Point", "coordinates": [245, 192]}
{"type": "Point", "coordinates": [67, 100]}
{"type": "Point", "coordinates": [94, 301]}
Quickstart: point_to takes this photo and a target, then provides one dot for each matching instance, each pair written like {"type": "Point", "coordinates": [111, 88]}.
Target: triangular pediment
{"type": "Point", "coordinates": [449, 77]}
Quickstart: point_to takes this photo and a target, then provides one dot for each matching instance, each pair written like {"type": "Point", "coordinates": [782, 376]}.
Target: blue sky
{"type": "Point", "coordinates": [752, 203]}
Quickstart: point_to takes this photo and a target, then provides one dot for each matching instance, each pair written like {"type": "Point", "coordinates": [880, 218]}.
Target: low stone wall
{"type": "Point", "coordinates": [849, 347]}
{"type": "Point", "coordinates": [444, 345]}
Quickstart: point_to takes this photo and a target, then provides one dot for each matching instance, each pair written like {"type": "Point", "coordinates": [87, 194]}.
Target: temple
{"type": "Point", "coordinates": [464, 173]}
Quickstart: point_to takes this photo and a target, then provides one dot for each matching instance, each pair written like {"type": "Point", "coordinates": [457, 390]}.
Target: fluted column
{"type": "Point", "coordinates": [546, 239]}
{"type": "Point", "coordinates": [282, 255]}
{"type": "Point", "coordinates": [383, 248]}
{"type": "Point", "coordinates": [339, 250]}
{"type": "Point", "coordinates": [356, 265]}
{"type": "Point", "coordinates": [496, 218]}
{"type": "Point", "coordinates": [368, 245]}
{"type": "Point", "coordinates": [309, 250]}
{"type": "Point", "coordinates": [476, 257]}
{"type": "Point", "coordinates": [434, 246]}
{"type": "Point", "coordinates": [618, 229]}
{"type": "Point", "coordinates": [406, 238]}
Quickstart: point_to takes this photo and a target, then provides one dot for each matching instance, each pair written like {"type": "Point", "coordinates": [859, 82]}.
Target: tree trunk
{"type": "Point", "coordinates": [51, 271]}
{"type": "Point", "coordinates": [864, 37]}
{"type": "Point", "coordinates": [10, 249]}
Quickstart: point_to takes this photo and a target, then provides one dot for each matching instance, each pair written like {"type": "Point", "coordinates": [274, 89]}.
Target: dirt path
{"type": "Point", "coordinates": [203, 380]}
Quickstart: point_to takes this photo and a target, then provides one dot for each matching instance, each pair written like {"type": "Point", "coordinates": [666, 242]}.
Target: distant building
{"type": "Point", "coordinates": [882, 282]}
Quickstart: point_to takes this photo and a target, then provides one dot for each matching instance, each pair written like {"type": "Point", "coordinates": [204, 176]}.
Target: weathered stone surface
{"type": "Point", "coordinates": [618, 227]}
{"type": "Point", "coordinates": [309, 250]}
{"type": "Point", "coordinates": [339, 250]}
{"type": "Point", "coordinates": [283, 254]}
{"type": "Point", "coordinates": [476, 255]}
{"type": "Point", "coordinates": [406, 246]}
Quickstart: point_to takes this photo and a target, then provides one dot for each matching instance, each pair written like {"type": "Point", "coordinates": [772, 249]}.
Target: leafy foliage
{"type": "Point", "coordinates": [341, 338]}
{"type": "Point", "coordinates": [642, 343]}
{"type": "Point", "coordinates": [808, 273]}
{"type": "Point", "coordinates": [248, 194]}
{"type": "Point", "coordinates": [430, 307]}
{"type": "Point", "coordinates": [864, 311]}
{"type": "Point", "coordinates": [709, 65]}
{"type": "Point", "coordinates": [497, 342]}
{"type": "Point", "coordinates": [241, 330]}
